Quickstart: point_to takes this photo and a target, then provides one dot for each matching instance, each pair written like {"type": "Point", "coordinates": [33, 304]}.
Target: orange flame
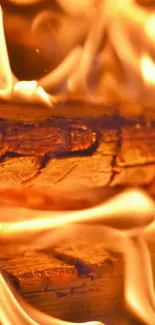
{"type": "Point", "coordinates": [124, 27]}
{"type": "Point", "coordinates": [120, 222]}
{"type": "Point", "coordinates": [10, 88]}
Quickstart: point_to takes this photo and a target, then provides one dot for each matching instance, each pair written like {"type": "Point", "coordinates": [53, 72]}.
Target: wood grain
{"type": "Point", "coordinates": [109, 153]}
{"type": "Point", "coordinates": [72, 291]}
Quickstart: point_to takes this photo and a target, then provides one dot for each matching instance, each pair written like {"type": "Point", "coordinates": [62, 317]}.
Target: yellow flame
{"type": "Point", "coordinates": [139, 286]}
{"type": "Point", "coordinates": [148, 69]}
{"type": "Point", "coordinates": [150, 27]}
{"type": "Point", "coordinates": [6, 80]}
{"type": "Point", "coordinates": [112, 212]}
{"type": "Point", "coordinates": [30, 91]}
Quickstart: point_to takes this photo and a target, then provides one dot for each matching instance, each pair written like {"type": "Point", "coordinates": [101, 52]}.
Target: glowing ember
{"type": "Point", "coordinates": [121, 223]}
{"type": "Point", "coordinates": [119, 41]}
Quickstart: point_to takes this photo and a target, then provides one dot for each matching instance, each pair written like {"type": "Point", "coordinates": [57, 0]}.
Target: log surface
{"type": "Point", "coordinates": [72, 291]}
{"type": "Point", "coordinates": [40, 150]}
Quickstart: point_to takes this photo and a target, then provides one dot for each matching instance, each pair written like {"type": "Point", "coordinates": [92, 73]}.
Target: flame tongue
{"type": "Point", "coordinates": [10, 87]}
{"type": "Point", "coordinates": [6, 80]}
{"type": "Point", "coordinates": [126, 73]}
{"type": "Point", "coordinates": [139, 287]}
{"type": "Point", "coordinates": [30, 91]}
{"type": "Point", "coordinates": [118, 213]}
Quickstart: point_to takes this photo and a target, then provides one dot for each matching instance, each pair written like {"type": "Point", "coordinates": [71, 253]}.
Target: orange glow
{"type": "Point", "coordinates": [129, 30]}
{"type": "Point", "coordinates": [6, 80]}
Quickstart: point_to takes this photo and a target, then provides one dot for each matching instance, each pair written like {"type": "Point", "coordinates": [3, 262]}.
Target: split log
{"type": "Point", "coordinates": [68, 290]}
{"type": "Point", "coordinates": [86, 283]}
{"type": "Point", "coordinates": [40, 150]}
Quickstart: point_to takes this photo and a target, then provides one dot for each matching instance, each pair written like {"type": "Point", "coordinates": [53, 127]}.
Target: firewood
{"type": "Point", "coordinates": [37, 149]}
{"type": "Point", "coordinates": [73, 291]}
{"type": "Point", "coordinates": [73, 284]}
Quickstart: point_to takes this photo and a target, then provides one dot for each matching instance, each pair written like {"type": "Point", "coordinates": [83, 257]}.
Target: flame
{"type": "Point", "coordinates": [120, 222]}
{"type": "Point", "coordinates": [22, 90]}
{"type": "Point", "coordinates": [148, 69]}
{"type": "Point", "coordinates": [30, 91]}
{"type": "Point", "coordinates": [110, 213]}
{"type": "Point", "coordinates": [125, 73]}
{"type": "Point", "coordinates": [6, 82]}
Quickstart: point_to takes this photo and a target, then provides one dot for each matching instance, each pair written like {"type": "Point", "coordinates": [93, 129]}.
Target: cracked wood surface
{"type": "Point", "coordinates": [84, 283]}
{"type": "Point", "coordinates": [121, 153]}
{"type": "Point", "coordinates": [114, 152]}
{"type": "Point", "coordinates": [81, 283]}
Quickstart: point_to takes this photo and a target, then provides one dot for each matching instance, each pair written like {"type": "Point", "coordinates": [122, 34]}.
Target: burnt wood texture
{"type": "Point", "coordinates": [39, 149]}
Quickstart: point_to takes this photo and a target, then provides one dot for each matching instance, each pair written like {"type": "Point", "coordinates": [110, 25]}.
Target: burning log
{"type": "Point", "coordinates": [109, 217]}
{"type": "Point", "coordinates": [51, 283]}
{"type": "Point", "coordinates": [51, 278]}
{"type": "Point", "coordinates": [72, 147]}
{"type": "Point", "coordinates": [96, 241]}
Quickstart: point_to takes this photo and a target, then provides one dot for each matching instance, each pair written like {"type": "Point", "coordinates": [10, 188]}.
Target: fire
{"type": "Point", "coordinates": [125, 73]}
{"type": "Point", "coordinates": [29, 90]}
{"type": "Point", "coordinates": [129, 29]}
{"type": "Point", "coordinates": [128, 226]}
{"type": "Point", "coordinates": [6, 79]}
{"type": "Point", "coordinates": [10, 88]}
{"type": "Point", "coordinates": [148, 69]}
